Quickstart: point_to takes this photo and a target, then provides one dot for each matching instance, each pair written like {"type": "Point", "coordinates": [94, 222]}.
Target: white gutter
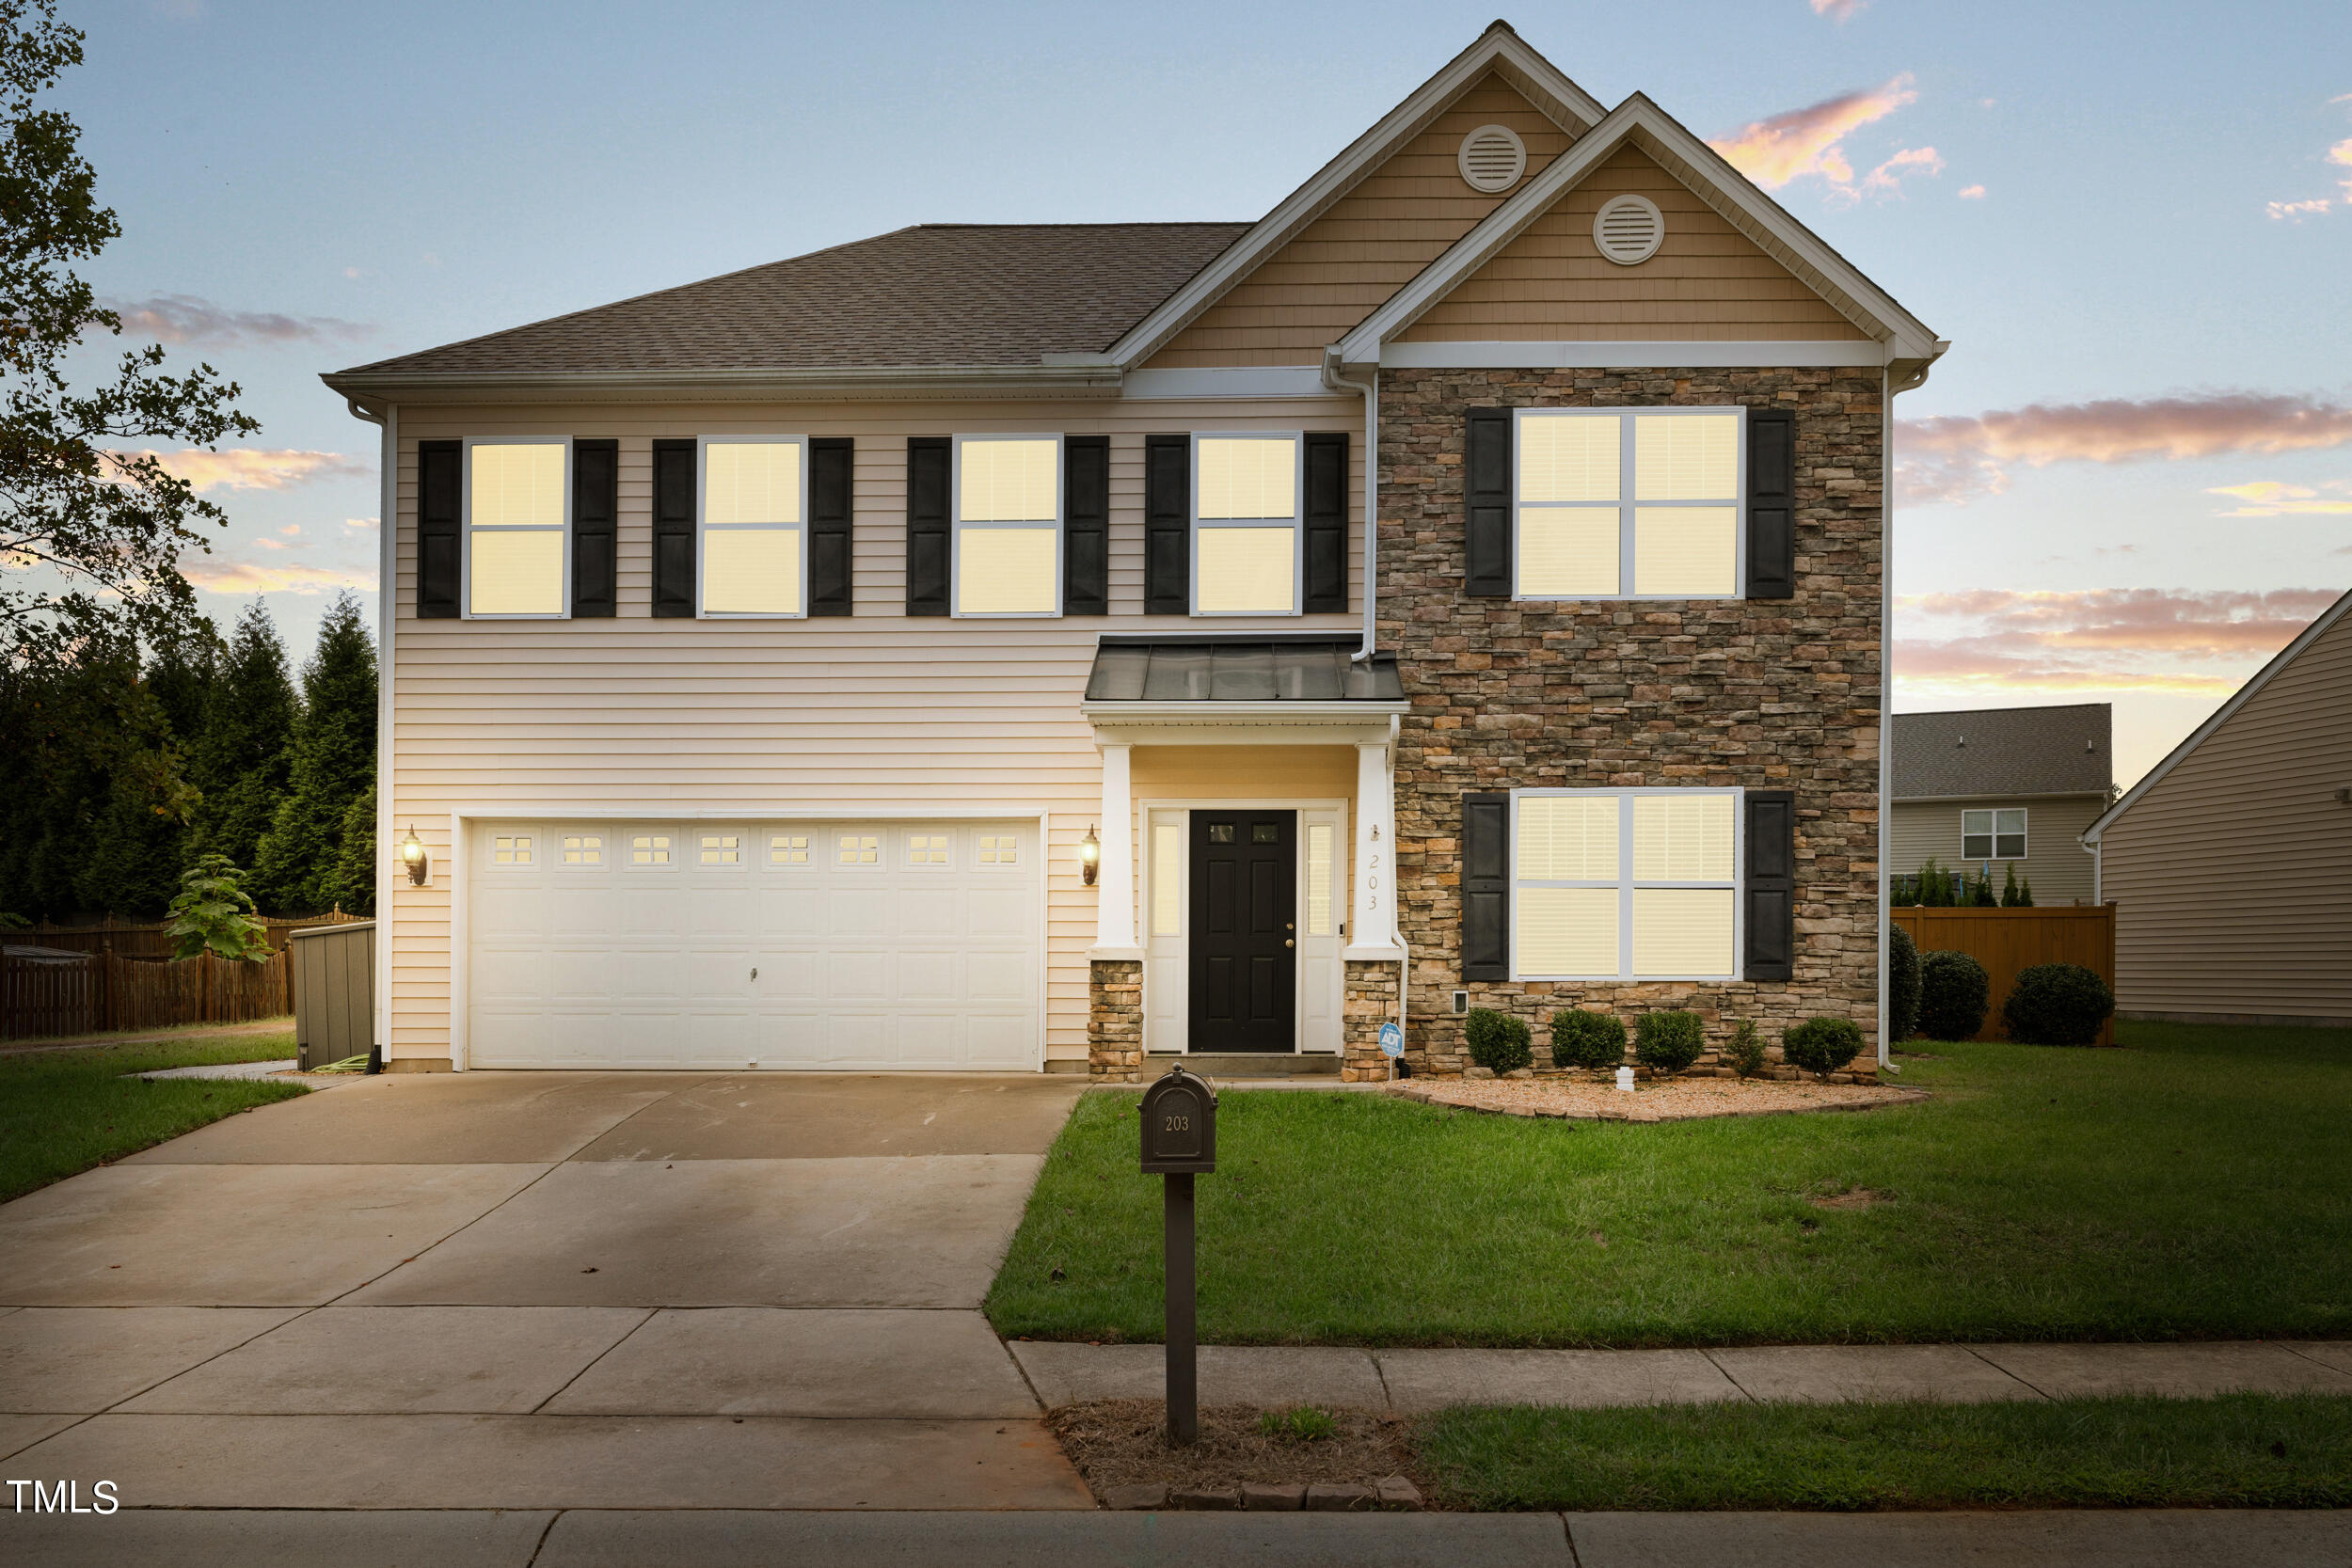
{"type": "Point", "coordinates": [385, 590]}
{"type": "Point", "coordinates": [1370, 392]}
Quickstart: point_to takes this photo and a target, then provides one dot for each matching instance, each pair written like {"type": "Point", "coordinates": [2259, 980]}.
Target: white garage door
{"type": "Point", "coordinates": [728, 945]}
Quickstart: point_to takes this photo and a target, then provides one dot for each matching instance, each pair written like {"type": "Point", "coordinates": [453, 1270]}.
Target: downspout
{"type": "Point", "coordinates": [387, 588]}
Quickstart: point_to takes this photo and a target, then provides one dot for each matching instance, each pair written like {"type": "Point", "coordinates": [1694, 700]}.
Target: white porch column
{"type": "Point", "coordinates": [1114, 883]}
{"type": "Point", "coordinates": [1372, 924]}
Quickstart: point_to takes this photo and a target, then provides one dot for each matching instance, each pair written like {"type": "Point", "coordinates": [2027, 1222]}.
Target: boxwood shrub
{"type": "Point", "coordinates": [1580, 1038]}
{"type": "Point", "coordinates": [1821, 1044]}
{"type": "Point", "coordinates": [1667, 1042]}
{"type": "Point", "coordinates": [1954, 992]}
{"type": "Point", "coordinates": [2057, 1005]}
{"type": "Point", "coordinates": [1498, 1041]}
{"type": "Point", "coordinates": [1902, 984]}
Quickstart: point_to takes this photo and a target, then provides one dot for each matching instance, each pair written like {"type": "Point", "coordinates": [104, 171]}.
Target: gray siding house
{"type": "Point", "coordinates": [1996, 788]}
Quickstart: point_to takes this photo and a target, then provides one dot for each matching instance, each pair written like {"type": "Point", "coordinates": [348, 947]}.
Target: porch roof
{"type": "Point", "coordinates": [1211, 670]}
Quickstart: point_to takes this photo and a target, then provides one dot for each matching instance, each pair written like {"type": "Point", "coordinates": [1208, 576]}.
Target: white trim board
{"type": "Point", "coordinates": [1228, 381]}
{"type": "Point", "coordinates": [1628, 354]}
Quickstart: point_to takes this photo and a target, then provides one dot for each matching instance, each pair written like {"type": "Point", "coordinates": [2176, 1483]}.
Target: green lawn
{"type": "Point", "coordinates": [62, 1112]}
{"type": "Point", "coordinates": [2242, 1450]}
{"type": "Point", "coordinates": [2198, 1184]}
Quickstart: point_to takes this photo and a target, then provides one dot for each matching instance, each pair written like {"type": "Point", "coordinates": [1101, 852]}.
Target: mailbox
{"type": "Point", "coordinates": [1179, 1125]}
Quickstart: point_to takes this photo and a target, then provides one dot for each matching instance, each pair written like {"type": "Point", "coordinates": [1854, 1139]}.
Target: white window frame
{"type": "Point", "coordinates": [1628, 501]}
{"type": "Point", "coordinates": [1626, 883]}
{"type": "Point", "coordinates": [956, 525]}
{"type": "Point", "coordinates": [1993, 832]}
{"type": "Point", "coordinates": [703, 526]}
{"type": "Point", "coordinates": [1298, 523]}
{"type": "Point", "coordinates": [465, 528]}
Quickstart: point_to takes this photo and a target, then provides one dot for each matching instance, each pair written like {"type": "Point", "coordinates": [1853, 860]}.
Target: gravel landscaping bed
{"type": "Point", "coordinates": [1673, 1100]}
{"type": "Point", "coordinates": [1122, 1443]}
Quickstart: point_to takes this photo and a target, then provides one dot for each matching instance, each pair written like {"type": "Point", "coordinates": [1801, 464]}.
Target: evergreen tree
{"type": "Point", "coordinates": [297, 868]}
{"type": "Point", "coordinates": [356, 862]}
{"type": "Point", "coordinates": [2008, 889]}
{"type": "Point", "coordinates": [241, 761]}
{"type": "Point", "coordinates": [2024, 893]}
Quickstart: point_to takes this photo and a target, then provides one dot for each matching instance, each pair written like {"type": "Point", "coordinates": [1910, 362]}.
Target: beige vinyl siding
{"type": "Point", "coordinates": [872, 712]}
{"type": "Point", "coordinates": [2056, 862]}
{"type": "Point", "coordinates": [2232, 875]}
{"type": "Point", "coordinates": [1397, 219]}
{"type": "Point", "coordinates": [1707, 281]}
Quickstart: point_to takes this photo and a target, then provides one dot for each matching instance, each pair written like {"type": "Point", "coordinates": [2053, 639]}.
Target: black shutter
{"type": "Point", "coordinates": [1326, 520]}
{"type": "Point", "coordinates": [1770, 887]}
{"type": "Point", "coordinates": [674, 528]}
{"type": "Point", "coordinates": [1771, 504]}
{"type": "Point", "coordinates": [1168, 525]}
{"type": "Point", "coordinates": [1485, 887]}
{"type": "Point", "coordinates": [596, 525]}
{"type": "Point", "coordinates": [1486, 503]}
{"type": "Point", "coordinates": [1086, 528]}
{"type": "Point", "coordinates": [928, 543]}
{"type": "Point", "coordinates": [438, 485]}
{"type": "Point", "coordinates": [830, 458]}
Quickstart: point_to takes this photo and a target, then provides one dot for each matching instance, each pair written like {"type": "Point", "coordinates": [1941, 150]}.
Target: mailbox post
{"type": "Point", "coordinates": [1179, 1142]}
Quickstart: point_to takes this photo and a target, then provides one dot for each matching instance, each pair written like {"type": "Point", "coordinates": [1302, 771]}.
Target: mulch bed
{"type": "Point", "coordinates": [1670, 1100]}
{"type": "Point", "coordinates": [1124, 1443]}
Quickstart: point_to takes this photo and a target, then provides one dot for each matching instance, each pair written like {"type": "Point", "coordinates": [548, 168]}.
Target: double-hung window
{"type": "Point", "coordinates": [1246, 535]}
{"type": "Point", "coordinates": [1628, 503]}
{"type": "Point", "coordinates": [1008, 525]}
{"type": "Point", "coordinates": [518, 559]}
{"type": "Point", "coordinates": [754, 546]}
{"type": "Point", "coordinates": [1631, 884]}
{"type": "Point", "coordinates": [1996, 834]}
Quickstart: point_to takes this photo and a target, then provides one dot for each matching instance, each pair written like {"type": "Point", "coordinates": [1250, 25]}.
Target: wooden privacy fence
{"type": "Point", "coordinates": [2008, 941]}
{"type": "Point", "coordinates": [44, 997]}
{"type": "Point", "coordinates": [138, 939]}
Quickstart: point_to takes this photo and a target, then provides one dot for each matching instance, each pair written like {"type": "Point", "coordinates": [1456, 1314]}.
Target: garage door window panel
{"type": "Point", "coordinates": [1246, 524]}
{"type": "Point", "coordinates": [1008, 525]}
{"type": "Point", "coordinates": [518, 559]}
{"type": "Point", "coordinates": [1628, 503]}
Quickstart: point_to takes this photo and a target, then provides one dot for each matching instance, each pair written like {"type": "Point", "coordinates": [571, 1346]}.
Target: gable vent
{"type": "Point", "coordinates": [1629, 229]}
{"type": "Point", "coordinates": [1492, 158]}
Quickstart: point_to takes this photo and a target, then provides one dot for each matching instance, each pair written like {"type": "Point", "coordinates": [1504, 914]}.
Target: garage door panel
{"type": "Point", "coordinates": [648, 977]}
{"type": "Point", "coordinates": [932, 910]}
{"type": "Point", "coordinates": [858, 911]}
{"type": "Point", "coordinates": [1001, 910]}
{"type": "Point", "coordinates": [723, 1039]}
{"type": "Point", "coordinates": [791, 911]}
{"type": "Point", "coordinates": [1000, 1040]}
{"type": "Point", "coordinates": [928, 976]}
{"type": "Point", "coordinates": [931, 1039]}
{"type": "Point", "coordinates": [795, 976]}
{"type": "Point", "coordinates": [519, 912]}
{"type": "Point", "coordinates": [579, 976]}
{"type": "Point", "coordinates": [856, 975]}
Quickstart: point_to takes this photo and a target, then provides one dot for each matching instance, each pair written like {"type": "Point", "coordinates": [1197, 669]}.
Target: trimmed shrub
{"type": "Point", "coordinates": [2057, 1005]}
{"type": "Point", "coordinates": [1902, 984]}
{"type": "Point", "coordinates": [1821, 1044]}
{"type": "Point", "coordinates": [2024, 893]}
{"type": "Point", "coordinates": [1498, 1041]}
{"type": "Point", "coordinates": [1747, 1049]}
{"type": "Point", "coordinates": [2008, 889]}
{"type": "Point", "coordinates": [1580, 1038]}
{"type": "Point", "coordinates": [1954, 992]}
{"type": "Point", "coordinates": [1667, 1042]}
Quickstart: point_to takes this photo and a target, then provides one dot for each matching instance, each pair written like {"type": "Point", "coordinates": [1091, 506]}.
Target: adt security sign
{"type": "Point", "coordinates": [1392, 1040]}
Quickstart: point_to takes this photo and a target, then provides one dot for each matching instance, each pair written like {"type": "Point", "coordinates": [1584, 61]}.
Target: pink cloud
{"type": "Point", "coordinates": [2297, 211]}
{"type": "Point", "coordinates": [1954, 457]}
{"type": "Point", "coordinates": [235, 577]}
{"type": "Point", "coordinates": [189, 319]}
{"type": "Point", "coordinates": [1806, 141]}
{"type": "Point", "coordinates": [1886, 179]}
{"type": "Point", "coordinates": [1837, 10]}
{"type": "Point", "coordinates": [1972, 192]}
{"type": "Point", "coordinates": [250, 469]}
{"type": "Point", "coordinates": [2136, 639]}
{"type": "Point", "coordinates": [2270, 497]}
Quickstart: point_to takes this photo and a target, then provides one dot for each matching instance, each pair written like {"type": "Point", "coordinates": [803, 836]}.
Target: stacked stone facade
{"type": "Point", "coordinates": [1115, 1020]}
{"type": "Point", "coordinates": [1370, 1001]}
{"type": "Point", "coordinates": [1767, 694]}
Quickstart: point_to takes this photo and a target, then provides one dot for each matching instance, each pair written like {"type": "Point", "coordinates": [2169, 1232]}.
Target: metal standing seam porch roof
{"type": "Point", "coordinates": [1240, 669]}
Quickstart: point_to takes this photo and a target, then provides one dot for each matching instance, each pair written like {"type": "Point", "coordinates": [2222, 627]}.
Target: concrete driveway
{"type": "Point", "coordinates": [542, 1290]}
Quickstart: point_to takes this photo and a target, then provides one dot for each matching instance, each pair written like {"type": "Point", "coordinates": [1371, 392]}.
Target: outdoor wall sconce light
{"type": "Point", "coordinates": [412, 855]}
{"type": "Point", "coordinates": [1089, 856]}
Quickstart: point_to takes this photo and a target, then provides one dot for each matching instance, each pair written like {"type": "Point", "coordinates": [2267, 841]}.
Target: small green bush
{"type": "Point", "coordinates": [1581, 1039]}
{"type": "Point", "coordinates": [1747, 1049]}
{"type": "Point", "coordinates": [2057, 1005]}
{"type": "Point", "coordinates": [1954, 992]}
{"type": "Point", "coordinates": [1667, 1042]}
{"type": "Point", "coordinates": [1821, 1044]}
{"type": "Point", "coordinates": [1498, 1041]}
{"type": "Point", "coordinates": [1902, 984]}
{"type": "Point", "coordinates": [1305, 1424]}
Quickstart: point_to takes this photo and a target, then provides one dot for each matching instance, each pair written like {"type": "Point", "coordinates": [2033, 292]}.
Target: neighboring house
{"type": "Point", "coordinates": [963, 648]}
{"type": "Point", "coordinates": [2001, 789]}
{"type": "Point", "coordinates": [2229, 864]}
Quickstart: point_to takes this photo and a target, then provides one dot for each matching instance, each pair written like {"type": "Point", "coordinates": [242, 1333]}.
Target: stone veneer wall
{"type": "Point", "coordinates": [1369, 1001]}
{"type": "Point", "coordinates": [1777, 694]}
{"type": "Point", "coordinates": [1115, 1020]}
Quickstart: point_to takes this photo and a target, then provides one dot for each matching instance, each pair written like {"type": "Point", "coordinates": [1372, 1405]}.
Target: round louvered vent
{"type": "Point", "coordinates": [1628, 228]}
{"type": "Point", "coordinates": [1493, 158]}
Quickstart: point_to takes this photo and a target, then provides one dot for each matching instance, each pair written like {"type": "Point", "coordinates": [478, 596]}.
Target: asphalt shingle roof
{"type": "Point", "coordinates": [938, 294]}
{"type": "Point", "coordinates": [2005, 750]}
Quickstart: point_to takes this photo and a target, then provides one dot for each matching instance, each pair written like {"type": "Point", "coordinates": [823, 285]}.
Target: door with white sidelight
{"type": "Point", "coordinates": [839, 945]}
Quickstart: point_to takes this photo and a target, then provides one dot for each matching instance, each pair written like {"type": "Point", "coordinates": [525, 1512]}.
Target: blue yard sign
{"type": "Point", "coordinates": [1392, 1040]}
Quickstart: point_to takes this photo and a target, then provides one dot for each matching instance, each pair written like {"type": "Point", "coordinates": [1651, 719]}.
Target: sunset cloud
{"type": "Point", "coordinates": [188, 319]}
{"type": "Point", "coordinates": [1807, 141]}
{"type": "Point", "coordinates": [1955, 457]}
{"type": "Point", "coordinates": [2297, 211]}
{"type": "Point", "coordinates": [2270, 497]}
{"type": "Point", "coordinates": [252, 469]}
{"type": "Point", "coordinates": [235, 577]}
{"type": "Point", "coordinates": [2103, 640]}
{"type": "Point", "coordinates": [1837, 10]}
{"type": "Point", "coordinates": [1972, 192]}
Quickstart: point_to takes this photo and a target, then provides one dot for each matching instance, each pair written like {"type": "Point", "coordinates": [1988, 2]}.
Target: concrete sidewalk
{"type": "Point", "coordinates": [1412, 1382]}
{"type": "Point", "coordinates": [2208, 1538]}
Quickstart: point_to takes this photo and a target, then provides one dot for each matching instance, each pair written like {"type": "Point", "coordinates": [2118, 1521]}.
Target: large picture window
{"type": "Point", "coordinates": [518, 554]}
{"type": "Point", "coordinates": [1995, 835]}
{"type": "Point", "coordinates": [753, 526]}
{"type": "Point", "coordinates": [1638, 884]}
{"type": "Point", "coordinates": [1245, 534]}
{"type": "Point", "coordinates": [1628, 502]}
{"type": "Point", "coordinates": [1008, 525]}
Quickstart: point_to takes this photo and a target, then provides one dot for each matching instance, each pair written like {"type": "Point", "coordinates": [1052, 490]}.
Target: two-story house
{"type": "Point", "coordinates": [967, 648]}
{"type": "Point", "coordinates": [2004, 791]}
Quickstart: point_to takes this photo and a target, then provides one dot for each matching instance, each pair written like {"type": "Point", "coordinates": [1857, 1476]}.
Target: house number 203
{"type": "Point", "coordinates": [1178, 1124]}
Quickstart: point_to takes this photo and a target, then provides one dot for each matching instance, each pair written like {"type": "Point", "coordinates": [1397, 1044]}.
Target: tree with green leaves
{"type": "Point", "coordinates": [357, 860]}
{"type": "Point", "coordinates": [296, 867]}
{"type": "Point", "coordinates": [214, 914]}
{"type": "Point", "coordinates": [242, 758]}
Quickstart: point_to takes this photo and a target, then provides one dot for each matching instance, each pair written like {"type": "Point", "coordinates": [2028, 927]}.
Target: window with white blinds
{"type": "Point", "coordinates": [1008, 525]}
{"type": "Point", "coordinates": [517, 517]}
{"type": "Point", "coordinates": [1246, 524]}
{"type": "Point", "coordinates": [755, 533]}
{"type": "Point", "coordinates": [1639, 503]}
{"type": "Point", "coordinates": [1637, 884]}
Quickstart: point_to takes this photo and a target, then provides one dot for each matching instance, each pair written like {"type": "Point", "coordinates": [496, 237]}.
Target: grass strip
{"type": "Point", "coordinates": [62, 1112]}
{"type": "Point", "coordinates": [2240, 1450]}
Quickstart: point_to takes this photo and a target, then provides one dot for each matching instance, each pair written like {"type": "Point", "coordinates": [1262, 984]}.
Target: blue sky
{"type": "Point", "coordinates": [2133, 221]}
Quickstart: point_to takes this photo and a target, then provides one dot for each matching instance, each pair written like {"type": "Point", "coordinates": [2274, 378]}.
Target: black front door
{"type": "Point", "coordinates": [1244, 957]}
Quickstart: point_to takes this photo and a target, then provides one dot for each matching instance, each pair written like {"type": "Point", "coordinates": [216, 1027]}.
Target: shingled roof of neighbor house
{"type": "Point", "coordinates": [2005, 750]}
{"type": "Point", "coordinates": [937, 294]}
